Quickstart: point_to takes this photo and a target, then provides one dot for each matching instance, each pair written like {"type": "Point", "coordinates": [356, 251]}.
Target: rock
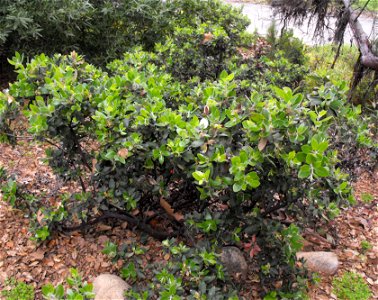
{"type": "Point", "coordinates": [109, 287]}
{"type": "Point", "coordinates": [234, 262]}
{"type": "Point", "coordinates": [320, 261]}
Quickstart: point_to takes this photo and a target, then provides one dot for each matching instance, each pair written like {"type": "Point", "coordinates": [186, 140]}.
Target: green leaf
{"type": "Point", "coordinates": [252, 179]}
{"type": "Point", "coordinates": [311, 158]}
{"type": "Point", "coordinates": [201, 177]}
{"type": "Point", "coordinates": [42, 233]}
{"type": "Point", "coordinates": [198, 175]}
{"type": "Point", "coordinates": [321, 171]}
{"type": "Point", "coordinates": [304, 171]}
{"type": "Point", "coordinates": [271, 296]}
{"type": "Point", "coordinates": [237, 187]}
{"type": "Point", "coordinates": [301, 156]}
{"type": "Point", "coordinates": [59, 291]}
{"type": "Point", "coordinates": [129, 272]}
{"type": "Point", "coordinates": [322, 146]}
{"type": "Point", "coordinates": [197, 143]}
{"type": "Point", "coordinates": [48, 289]}
{"type": "Point", "coordinates": [223, 75]}
{"type": "Point", "coordinates": [306, 149]}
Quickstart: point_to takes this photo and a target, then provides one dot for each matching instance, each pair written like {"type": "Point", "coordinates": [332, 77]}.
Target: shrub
{"type": "Point", "coordinates": [136, 137]}
{"type": "Point", "coordinates": [291, 47]}
{"type": "Point", "coordinates": [103, 30]}
{"type": "Point", "coordinates": [352, 133]}
{"type": "Point", "coordinates": [193, 13]}
{"type": "Point", "coordinates": [351, 286]}
{"type": "Point", "coordinates": [260, 73]}
{"type": "Point", "coordinates": [200, 52]}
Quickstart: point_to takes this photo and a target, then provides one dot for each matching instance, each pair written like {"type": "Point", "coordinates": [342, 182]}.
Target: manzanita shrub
{"type": "Point", "coordinates": [135, 136]}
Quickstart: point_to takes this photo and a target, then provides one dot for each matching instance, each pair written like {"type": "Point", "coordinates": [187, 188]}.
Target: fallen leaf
{"type": "Point", "coordinates": [40, 217]}
{"type": "Point", "coordinates": [252, 247]}
{"type": "Point", "coordinates": [149, 213]}
{"type": "Point", "coordinates": [167, 256]}
{"type": "Point", "coordinates": [94, 163]}
{"type": "Point", "coordinates": [74, 254]}
{"type": "Point", "coordinates": [135, 212]}
{"type": "Point", "coordinates": [206, 110]}
{"type": "Point", "coordinates": [167, 207]}
{"type": "Point", "coordinates": [363, 222]}
{"type": "Point", "coordinates": [124, 152]}
{"type": "Point", "coordinates": [12, 253]}
{"type": "Point", "coordinates": [207, 37]}
{"type": "Point", "coordinates": [102, 239]}
{"type": "Point", "coordinates": [37, 255]}
{"type": "Point", "coordinates": [103, 227]}
{"type": "Point", "coordinates": [262, 144]}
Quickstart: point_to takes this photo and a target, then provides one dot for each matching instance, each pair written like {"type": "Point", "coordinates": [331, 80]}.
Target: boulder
{"type": "Point", "coordinates": [109, 287]}
{"type": "Point", "coordinates": [234, 262]}
{"type": "Point", "coordinates": [320, 261]}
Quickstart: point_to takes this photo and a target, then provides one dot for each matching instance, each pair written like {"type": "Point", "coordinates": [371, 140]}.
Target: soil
{"type": "Point", "coordinates": [23, 259]}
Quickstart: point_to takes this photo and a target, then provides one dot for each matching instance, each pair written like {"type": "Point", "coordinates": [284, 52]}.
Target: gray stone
{"type": "Point", "coordinates": [234, 262]}
{"type": "Point", "coordinates": [320, 261]}
{"type": "Point", "coordinates": [109, 287]}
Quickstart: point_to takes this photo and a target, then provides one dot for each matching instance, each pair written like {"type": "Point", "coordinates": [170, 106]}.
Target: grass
{"type": "Point", "coordinates": [371, 6]}
{"type": "Point", "coordinates": [321, 59]}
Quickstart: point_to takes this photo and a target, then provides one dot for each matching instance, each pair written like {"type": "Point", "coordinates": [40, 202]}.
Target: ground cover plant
{"type": "Point", "coordinates": [77, 290]}
{"type": "Point", "coordinates": [351, 286]}
{"type": "Point", "coordinates": [191, 135]}
{"type": "Point", "coordinates": [17, 290]}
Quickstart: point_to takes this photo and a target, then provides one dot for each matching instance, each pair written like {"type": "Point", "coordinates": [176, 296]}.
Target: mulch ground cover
{"type": "Point", "coordinates": [38, 264]}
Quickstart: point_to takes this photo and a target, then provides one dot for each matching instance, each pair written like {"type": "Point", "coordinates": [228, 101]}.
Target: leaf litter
{"type": "Point", "coordinates": [50, 261]}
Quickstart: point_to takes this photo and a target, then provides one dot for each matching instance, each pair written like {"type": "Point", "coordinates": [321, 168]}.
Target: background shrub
{"type": "Point", "coordinates": [101, 29]}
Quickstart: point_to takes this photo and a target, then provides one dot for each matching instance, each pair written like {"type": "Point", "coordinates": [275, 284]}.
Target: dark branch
{"type": "Point", "coordinates": [129, 219]}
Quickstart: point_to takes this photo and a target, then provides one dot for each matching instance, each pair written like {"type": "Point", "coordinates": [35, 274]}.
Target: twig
{"type": "Point", "coordinates": [362, 9]}
{"type": "Point", "coordinates": [128, 218]}
{"type": "Point", "coordinates": [27, 137]}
